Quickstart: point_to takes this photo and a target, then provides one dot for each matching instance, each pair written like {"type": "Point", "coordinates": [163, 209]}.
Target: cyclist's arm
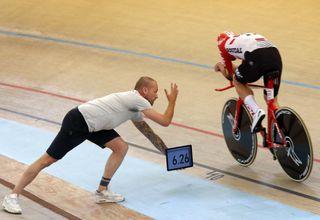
{"type": "Point", "coordinates": [225, 66]}
{"type": "Point", "coordinates": [220, 67]}
{"type": "Point", "coordinates": [146, 130]}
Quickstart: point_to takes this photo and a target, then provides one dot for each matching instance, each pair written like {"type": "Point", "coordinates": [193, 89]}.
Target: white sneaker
{"type": "Point", "coordinates": [257, 119]}
{"type": "Point", "coordinates": [107, 196]}
{"type": "Point", "coordinates": [10, 204]}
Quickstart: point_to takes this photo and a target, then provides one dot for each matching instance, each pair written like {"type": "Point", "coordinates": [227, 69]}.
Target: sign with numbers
{"type": "Point", "coordinates": [179, 157]}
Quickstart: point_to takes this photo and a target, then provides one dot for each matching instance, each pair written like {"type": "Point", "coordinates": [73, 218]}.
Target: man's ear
{"type": "Point", "coordinates": [145, 90]}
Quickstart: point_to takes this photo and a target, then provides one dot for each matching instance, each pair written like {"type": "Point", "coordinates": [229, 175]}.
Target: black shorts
{"type": "Point", "coordinates": [258, 63]}
{"type": "Point", "coordinates": [74, 131]}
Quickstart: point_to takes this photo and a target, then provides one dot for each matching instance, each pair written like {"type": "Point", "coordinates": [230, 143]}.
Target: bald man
{"type": "Point", "coordinates": [95, 121]}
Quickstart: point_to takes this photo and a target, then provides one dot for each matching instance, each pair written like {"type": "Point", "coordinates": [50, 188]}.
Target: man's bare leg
{"type": "Point", "coordinates": [32, 171]}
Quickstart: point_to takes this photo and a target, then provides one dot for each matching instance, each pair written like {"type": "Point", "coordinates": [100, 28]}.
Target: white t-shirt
{"type": "Point", "coordinates": [110, 111]}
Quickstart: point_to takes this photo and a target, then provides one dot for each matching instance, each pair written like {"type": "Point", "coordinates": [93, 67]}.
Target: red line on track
{"type": "Point", "coordinates": [81, 100]}
{"type": "Point", "coordinates": [42, 92]}
{"type": "Point", "coordinates": [197, 129]}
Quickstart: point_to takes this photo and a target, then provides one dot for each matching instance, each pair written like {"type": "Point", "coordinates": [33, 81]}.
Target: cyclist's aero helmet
{"type": "Point", "coordinates": [224, 36]}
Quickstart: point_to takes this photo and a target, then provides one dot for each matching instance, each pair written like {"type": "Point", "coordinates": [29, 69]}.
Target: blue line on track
{"type": "Point", "coordinates": [118, 50]}
{"type": "Point", "coordinates": [101, 47]}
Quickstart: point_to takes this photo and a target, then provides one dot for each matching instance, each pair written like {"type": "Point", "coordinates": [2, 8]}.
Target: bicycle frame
{"type": "Point", "coordinates": [267, 139]}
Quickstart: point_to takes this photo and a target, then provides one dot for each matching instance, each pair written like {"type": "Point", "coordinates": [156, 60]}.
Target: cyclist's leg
{"type": "Point", "coordinates": [274, 63]}
{"type": "Point", "coordinates": [242, 89]}
{"type": "Point", "coordinates": [248, 72]}
{"type": "Point", "coordinates": [276, 86]}
{"type": "Point", "coordinates": [246, 93]}
{"type": "Point", "coordinates": [245, 73]}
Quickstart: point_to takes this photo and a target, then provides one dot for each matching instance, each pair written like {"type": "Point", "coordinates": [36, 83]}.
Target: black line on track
{"type": "Point", "coordinates": [317, 199]}
{"type": "Point", "coordinates": [42, 202]}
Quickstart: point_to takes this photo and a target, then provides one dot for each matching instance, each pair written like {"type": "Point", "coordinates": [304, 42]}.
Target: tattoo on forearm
{"type": "Point", "coordinates": [145, 129]}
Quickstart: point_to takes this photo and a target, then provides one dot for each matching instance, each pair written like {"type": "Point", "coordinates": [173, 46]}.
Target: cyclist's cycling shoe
{"type": "Point", "coordinates": [257, 119]}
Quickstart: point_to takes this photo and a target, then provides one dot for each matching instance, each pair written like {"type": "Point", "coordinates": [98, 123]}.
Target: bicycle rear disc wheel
{"type": "Point", "coordinates": [297, 158]}
{"type": "Point", "coordinates": [243, 144]}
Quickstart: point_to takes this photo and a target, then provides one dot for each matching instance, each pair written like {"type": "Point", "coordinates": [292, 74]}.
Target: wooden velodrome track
{"type": "Point", "coordinates": [86, 49]}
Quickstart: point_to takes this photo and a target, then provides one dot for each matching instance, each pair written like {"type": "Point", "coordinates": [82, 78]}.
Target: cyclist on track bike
{"type": "Point", "coordinates": [259, 57]}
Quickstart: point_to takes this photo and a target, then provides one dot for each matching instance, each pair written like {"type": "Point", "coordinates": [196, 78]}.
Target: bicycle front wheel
{"type": "Point", "coordinates": [242, 144]}
{"type": "Point", "coordinates": [296, 159]}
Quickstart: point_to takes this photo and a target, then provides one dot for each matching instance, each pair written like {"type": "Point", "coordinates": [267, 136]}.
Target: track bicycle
{"type": "Point", "coordinates": [286, 135]}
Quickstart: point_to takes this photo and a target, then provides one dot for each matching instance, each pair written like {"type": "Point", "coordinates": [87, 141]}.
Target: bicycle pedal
{"type": "Point", "coordinates": [257, 129]}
